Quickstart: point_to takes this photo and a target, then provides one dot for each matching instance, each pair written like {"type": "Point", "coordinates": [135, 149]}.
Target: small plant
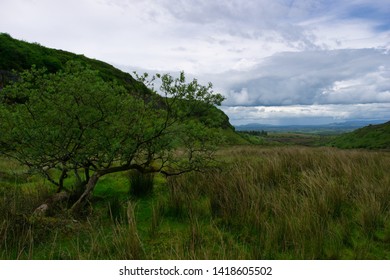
{"type": "Point", "coordinates": [141, 185]}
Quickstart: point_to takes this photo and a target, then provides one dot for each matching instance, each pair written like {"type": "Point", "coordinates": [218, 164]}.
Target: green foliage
{"type": "Point", "coordinates": [74, 122]}
{"type": "Point", "coordinates": [66, 117]}
{"type": "Point", "coordinates": [253, 137]}
{"type": "Point", "coordinates": [369, 137]}
{"type": "Point", "coordinates": [255, 132]}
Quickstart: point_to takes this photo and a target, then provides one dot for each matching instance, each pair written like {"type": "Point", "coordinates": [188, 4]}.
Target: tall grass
{"type": "Point", "coordinates": [263, 203]}
{"type": "Point", "coordinates": [18, 234]}
{"type": "Point", "coordinates": [299, 202]}
{"type": "Point", "coordinates": [141, 184]}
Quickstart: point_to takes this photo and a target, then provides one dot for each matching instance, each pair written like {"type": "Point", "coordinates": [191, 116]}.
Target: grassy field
{"type": "Point", "coordinates": [262, 203]}
{"type": "Point", "coordinates": [288, 138]}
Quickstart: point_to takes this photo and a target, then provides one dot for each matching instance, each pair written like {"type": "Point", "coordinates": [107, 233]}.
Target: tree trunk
{"type": "Point", "coordinates": [86, 194]}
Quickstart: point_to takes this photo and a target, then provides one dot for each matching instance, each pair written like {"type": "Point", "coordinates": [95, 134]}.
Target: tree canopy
{"type": "Point", "coordinates": [73, 123]}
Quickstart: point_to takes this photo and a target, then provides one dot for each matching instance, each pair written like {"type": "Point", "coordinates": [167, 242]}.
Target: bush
{"type": "Point", "coordinates": [141, 185]}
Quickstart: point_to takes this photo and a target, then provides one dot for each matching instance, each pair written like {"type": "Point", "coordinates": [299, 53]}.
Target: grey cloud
{"type": "Point", "coordinates": [274, 20]}
{"type": "Point", "coordinates": [316, 77]}
{"type": "Point", "coordinates": [252, 19]}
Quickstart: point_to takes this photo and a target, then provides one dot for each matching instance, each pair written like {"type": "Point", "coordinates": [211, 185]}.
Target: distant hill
{"type": "Point", "coordinates": [368, 137]}
{"type": "Point", "coordinates": [17, 55]}
{"type": "Point", "coordinates": [325, 129]}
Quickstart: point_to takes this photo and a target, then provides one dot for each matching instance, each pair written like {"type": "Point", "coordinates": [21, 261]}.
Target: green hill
{"type": "Point", "coordinates": [17, 55]}
{"type": "Point", "coordinates": [368, 137]}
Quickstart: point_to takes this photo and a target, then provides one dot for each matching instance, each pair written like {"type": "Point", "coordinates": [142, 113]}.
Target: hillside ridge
{"type": "Point", "coordinates": [18, 55]}
{"type": "Point", "coordinates": [369, 137]}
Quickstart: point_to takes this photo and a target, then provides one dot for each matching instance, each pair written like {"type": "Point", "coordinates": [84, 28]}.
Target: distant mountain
{"type": "Point", "coordinates": [332, 128]}
{"type": "Point", "coordinates": [368, 137]}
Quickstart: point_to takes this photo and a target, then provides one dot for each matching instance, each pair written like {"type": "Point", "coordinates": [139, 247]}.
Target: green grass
{"type": "Point", "coordinates": [263, 203]}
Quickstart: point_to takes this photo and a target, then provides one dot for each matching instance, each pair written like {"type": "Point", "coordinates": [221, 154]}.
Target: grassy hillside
{"type": "Point", "coordinates": [20, 55]}
{"type": "Point", "coordinates": [368, 137]}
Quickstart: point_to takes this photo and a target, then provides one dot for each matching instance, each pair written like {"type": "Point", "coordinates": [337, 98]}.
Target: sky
{"type": "Point", "coordinates": [275, 61]}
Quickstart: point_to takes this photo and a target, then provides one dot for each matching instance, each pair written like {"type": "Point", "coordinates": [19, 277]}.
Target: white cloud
{"type": "Point", "coordinates": [242, 97]}
{"type": "Point", "coordinates": [368, 88]}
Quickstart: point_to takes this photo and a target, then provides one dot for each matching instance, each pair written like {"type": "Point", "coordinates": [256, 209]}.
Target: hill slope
{"type": "Point", "coordinates": [17, 55]}
{"type": "Point", "coordinates": [368, 137]}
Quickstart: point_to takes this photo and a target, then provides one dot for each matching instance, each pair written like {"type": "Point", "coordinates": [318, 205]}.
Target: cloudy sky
{"type": "Point", "coordinates": [275, 61]}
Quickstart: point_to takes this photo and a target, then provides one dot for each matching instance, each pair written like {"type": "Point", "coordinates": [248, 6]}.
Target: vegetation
{"type": "Point", "coordinates": [17, 55]}
{"type": "Point", "coordinates": [72, 122]}
{"type": "Point", "coordinates": [262, 133]}
{"type": "Point", "coordinates": [368, 137]}
{"type": "Point", "coordinates": [285, 138]}
{"type": "Point", "coordinates": [301, 139]}
{"type": "Point", "coordinates": [265, 203]}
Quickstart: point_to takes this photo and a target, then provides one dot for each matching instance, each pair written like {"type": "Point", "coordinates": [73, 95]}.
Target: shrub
{"type": "Point", "coordinates": [141, 185]}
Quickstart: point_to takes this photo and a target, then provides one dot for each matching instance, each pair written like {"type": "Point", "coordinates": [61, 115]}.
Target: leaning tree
{"type": "Point", "coordinates": [74, 124]}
